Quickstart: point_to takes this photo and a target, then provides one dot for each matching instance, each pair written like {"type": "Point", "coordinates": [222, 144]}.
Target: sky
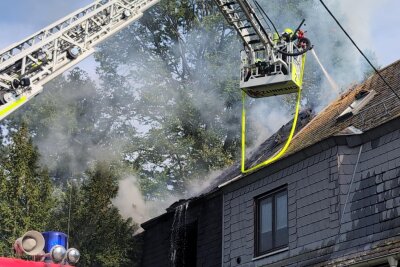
{"type": "Point", "coordinates": [21, 18]}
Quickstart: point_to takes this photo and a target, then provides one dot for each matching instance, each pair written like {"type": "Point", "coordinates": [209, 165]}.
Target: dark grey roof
{"type": "Point", "coordinates": [264, 151]}
{"type": "Point", "coordinates": [383, 107]}
{"type": "Point", "coordinates": [311, 129]}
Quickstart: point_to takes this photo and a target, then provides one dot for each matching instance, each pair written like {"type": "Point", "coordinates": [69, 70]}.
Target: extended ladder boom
{"type": "Point", "coordinates": [241, 15]}
{"type": "Point", "coordinates": [272, 64]}
{"type": "Point", "coordinates": [26, 66]}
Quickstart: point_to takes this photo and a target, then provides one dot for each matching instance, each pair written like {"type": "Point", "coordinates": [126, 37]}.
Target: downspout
{"type": "Point", "coordinates": [223, 231]}
{"type": "Point", "coordinates": [351, 185]}
{"type": "Point", "coordinates": [391, 259]}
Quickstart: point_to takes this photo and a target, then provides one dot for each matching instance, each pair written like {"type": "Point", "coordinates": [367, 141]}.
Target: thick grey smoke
{"type": "Point", "coordinates": [265, 116]}
{"type": "Point", "coordinates": [133, 204]}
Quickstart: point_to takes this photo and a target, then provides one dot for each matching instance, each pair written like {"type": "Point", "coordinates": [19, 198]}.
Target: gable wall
{"type": "Point", "coordinates": [317, 192]}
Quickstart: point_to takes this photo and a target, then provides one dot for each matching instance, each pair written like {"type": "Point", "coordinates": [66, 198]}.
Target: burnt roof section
{"type": "Point", "coordinates": [383, 107]}
{"type": "Point", "coordinates": [268, 148]}
{"type": "Point", "coordinates": [311, 129]}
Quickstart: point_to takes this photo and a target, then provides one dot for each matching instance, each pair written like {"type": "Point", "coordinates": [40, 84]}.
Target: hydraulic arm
{"type": "Point", "coordinates": [27, 65]}
{"type": "Point", "coordinates": [272, 63]}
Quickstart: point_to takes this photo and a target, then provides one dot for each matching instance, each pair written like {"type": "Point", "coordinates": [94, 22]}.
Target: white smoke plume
{"type": "Point", "coordinates": [132, 204]}
{"type": "Point", "coordinates": [130, 201]}
{"type": "Point", "coordinates": [265, 116]}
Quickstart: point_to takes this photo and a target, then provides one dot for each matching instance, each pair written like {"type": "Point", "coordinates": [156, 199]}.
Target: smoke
{"type": "Point", "coordinates": [198, 186]}
{"type": "Point", "coordinates": [133, 204]}
{"type": "Point", "coordinates": [265, 117]}
{"type": "Point", "coordinates": [341, 59]}
{"type": "Point", "coordinates": [358, 19]}
{"type": "Point", "coordinates": [110, 119]}
{"type": "Point", "coordinates": [60, 119]}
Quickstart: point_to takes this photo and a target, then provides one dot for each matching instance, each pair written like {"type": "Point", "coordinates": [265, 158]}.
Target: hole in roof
{"type": "Point", "coordinates": [361, 99]}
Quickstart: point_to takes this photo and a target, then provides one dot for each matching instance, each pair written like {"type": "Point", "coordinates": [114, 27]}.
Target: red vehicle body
{"type": "Point", "coordinates": [9, 262]}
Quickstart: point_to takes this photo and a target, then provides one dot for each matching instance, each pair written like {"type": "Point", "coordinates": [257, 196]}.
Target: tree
{"type": "Point", "coordinates": [63, 121]}
{"type": "Point", "coordinates": [168, 99]}
{"type": "Point", "coordinates": [25, 191]}
{"type": "Point", "coordinates": [186, 97]}
{"type": "Point", "coordinates": [97, 229]}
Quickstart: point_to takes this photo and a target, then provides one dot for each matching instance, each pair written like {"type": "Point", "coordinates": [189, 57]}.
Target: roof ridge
{"type": "Point", "coordinates": [351, 88]}
{"type": "Point", "coordinates": [388, 66]}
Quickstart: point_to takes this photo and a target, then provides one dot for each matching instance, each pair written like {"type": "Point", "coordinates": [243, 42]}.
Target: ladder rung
{"type": "Point", "coordinates": [250, 34]}
{"type": "Point", "coordinates": [229, 3]}
{"type": "Point", "coordinates": [245, 27]}
{"type": "Point", "coordinates": [235, 20]}
{"type": "Point", "coordinates": [232, 11]}
{"type": "Point", "coordinates": [254, 41]}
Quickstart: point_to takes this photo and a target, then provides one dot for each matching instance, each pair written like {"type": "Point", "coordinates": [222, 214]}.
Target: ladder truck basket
{"type": "Point", "coordinates": [263, 79]}
{"type": "Point", "coordinates": [266, 78]}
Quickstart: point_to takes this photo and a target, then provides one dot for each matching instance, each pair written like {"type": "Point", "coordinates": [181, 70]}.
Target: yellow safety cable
{"type": "Point", "coordinates": [285, 147]}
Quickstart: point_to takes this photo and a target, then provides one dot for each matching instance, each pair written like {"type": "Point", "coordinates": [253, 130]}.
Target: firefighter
{"type": "Point", "coordinates": [275, 38]}
{"type": "Point", "coordinates": [288, 34]}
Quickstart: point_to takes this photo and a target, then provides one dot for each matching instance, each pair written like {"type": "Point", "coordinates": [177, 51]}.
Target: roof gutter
{"type": "Point", "coordinates": [352, 140]}
{"type": "Point", "coordinates": [230, 181]}
{"type": "Point", "coordinates": [391, 259]}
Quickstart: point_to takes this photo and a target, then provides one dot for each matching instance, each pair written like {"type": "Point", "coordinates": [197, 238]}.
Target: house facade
{"type": "Point", "coordinates": [333, 200]}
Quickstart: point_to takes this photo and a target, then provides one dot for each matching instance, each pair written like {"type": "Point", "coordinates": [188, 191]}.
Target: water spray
{"type": "Point", "coordinates": [331, 82]}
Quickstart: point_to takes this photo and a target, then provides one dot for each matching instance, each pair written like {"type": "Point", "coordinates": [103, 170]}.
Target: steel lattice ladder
{"type": "Point", "coordinates": [241, 15]}
{"type": "Point", "coordinates": [27, 65]}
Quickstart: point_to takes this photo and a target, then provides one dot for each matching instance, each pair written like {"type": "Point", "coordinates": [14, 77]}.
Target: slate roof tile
{"type": "Point", "coordinates": [383, 107]}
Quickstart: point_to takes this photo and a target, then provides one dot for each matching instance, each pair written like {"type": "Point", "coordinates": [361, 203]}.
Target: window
{"type": "Point", "coordinates": [271, 222]}
{"type": "Point", "coordinates": [361, 99]}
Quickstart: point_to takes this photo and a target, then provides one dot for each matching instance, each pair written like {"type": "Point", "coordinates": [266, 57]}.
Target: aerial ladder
{"type": "Point", "coordinates": [271, 63]}
{"type": "Point", "coordinates": [27, 65]}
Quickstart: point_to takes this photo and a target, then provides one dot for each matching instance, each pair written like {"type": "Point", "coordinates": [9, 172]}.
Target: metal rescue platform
{"type": "Point", "coordinates": [272, 63]}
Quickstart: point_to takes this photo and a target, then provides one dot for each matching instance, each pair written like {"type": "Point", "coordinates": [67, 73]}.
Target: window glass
{"type": "Point", "coordinates": [281, 220]}
{"type": "Point", "coordinates": [266, 224]}
{"type": "Point", "coordinates": [272, 222]}
{"type": "Point", "coordinates": [281, 210]}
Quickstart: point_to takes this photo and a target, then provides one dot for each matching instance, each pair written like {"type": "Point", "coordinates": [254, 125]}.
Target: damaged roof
{"type": "Point", "coordinates": [381, 106]}
{"type": "Point", "coordinates": [311, 129]}
{"type": "Point", "coordinates": [268, 148]}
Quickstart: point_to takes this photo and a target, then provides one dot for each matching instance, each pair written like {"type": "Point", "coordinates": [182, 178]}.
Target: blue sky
{"type": "Point", "coordinates": [21, 18]}
{"type": "Point", "coordinates": [374, 24]}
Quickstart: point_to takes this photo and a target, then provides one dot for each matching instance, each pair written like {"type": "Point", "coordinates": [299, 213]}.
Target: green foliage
{"type": "Point", "coordinates": [186, 96]}
{"type": "Point", "coordinates": [25, 191]}
{"type": "Point", "coordinates": [61, 120]}
{"type": "Point", "coordinates": [97, 229]}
